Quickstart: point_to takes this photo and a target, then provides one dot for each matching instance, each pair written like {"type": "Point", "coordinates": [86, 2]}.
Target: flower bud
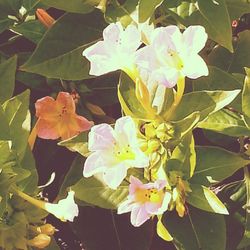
{"type": "Point", "coordinates": [94, 109]}
{"type": "Point", "coordinates": [45, 18]}
{"type": "Point", "coordinates": [40, 241]}
{"type": "Point", "coordinates": [153, 145]}
{"type": "Point", "coordinates": [46, 229]}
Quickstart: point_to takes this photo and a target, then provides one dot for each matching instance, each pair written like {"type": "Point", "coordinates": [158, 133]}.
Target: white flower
{"type": "Point", "coordinates": [116, 51]}
{"type": "Point", "coordinates": [65, 209]}
{"type": "Point", "coordinates": [114, 151]}
{"type": "Point", "coordinates": [172, 55]}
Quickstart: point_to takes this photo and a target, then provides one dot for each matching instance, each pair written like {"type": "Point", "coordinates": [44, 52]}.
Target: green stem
{"type": "Point", "coordinates": [179, 94]}
{"type": "Point", "coordinates": [31, 200]}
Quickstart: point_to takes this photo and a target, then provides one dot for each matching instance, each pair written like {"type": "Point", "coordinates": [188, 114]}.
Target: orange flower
{"type": "Point", "coordinates": [57, 118]}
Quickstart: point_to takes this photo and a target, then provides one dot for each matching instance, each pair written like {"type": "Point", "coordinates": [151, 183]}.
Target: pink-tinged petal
{"type": "Point", "coordinates": [130, 39]}
{"type": "Point", "coordinates": [46, 107]}
{"type": "Point", "coordinates": [195, 38]}
{"type": "Point", "coordinates": [138, 216]}
{"type": "Point", "coordinates": [112, 33]}
{"type": "Point", "coordinates": [65, 100]}
{"type": "Point", "coordinates": [135, 184]}
{"type": "Point", "coordinates": [114, 176]}
{"type": "Point", "coordinates": [125, 207]}
{"type": "Point", "coordinates": [152, 207]}
{"type": "Point", "coordinates": [164, 206]}
{"type": "Point", "coordinates": [165, 39]}
{"type": "Point", "coordinates": [101, 137]}
{"type": "Point", "coordinates": [47, 129]}
{"type": "Point", "coordinates": [125, 130]}
{"type": "Point", "coordinates": [102, 59]}
{"type": "Point", "coordinates": [160, 184]}
{"type": "Point", "coordinates": [166, 76]}
{"type": "Point", "coordinates": [94, 164]}
{"type": "Point", "coordinates": [195, 67]}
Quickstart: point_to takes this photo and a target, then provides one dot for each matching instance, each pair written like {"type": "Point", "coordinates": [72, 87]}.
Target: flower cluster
{"type": "Point", "coordinates": [164, 60]}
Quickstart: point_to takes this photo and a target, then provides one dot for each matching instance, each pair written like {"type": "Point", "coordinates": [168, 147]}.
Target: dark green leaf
{"type": "Point", "coordinates": [93, 191]}
{"type": "Point", "coordinates": [76, 6]}
{"type": "Point", "coordinates": [7, 78]}
{"type": "Point", "coordinates": [203, 198]}
{"type": "Point", "coordinates": [212, 101]}
{"type": "Point", "coordinates": [197, 230]}
{"type": "Point", "coordinates": [226, 122]}
{"type": "Point", "coordinates": [213, 164]}
{"type": "Point", "coordinates": [59, 53]}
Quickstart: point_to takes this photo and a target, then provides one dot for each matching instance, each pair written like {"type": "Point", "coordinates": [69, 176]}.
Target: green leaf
{"type": "Point", "coordinates": [5, 23]}
{"type": "Point", "coordinates": [218, 80]}
{"type": "Point", "coordinates": [246, 94]}
{"type": "Point", "coordinates": [232, 62]}
{"type": "Point", "coordinates": [17, 113]}
{"type": "Point", "coordinates": [197, 230]}
{"type": "Point", "coordinates": [226, 122]}
{"type": "Point", "coordinates": [203, 198]}
{"type": "Point", "coordinates": [185, 125]}
{"type": "Point", "coordinates": [126, 94]}
{"type": "Point", "coordinates": [76, 6]}
{"type": "Point", "coordinates": [212, 101]}
{"type": "Point", "coordinates": [183, 157]}
{"type": "Point", "coordinates": [216, 21]}
{"type": "Point", "coordinates": [93, 191]}
{"type": "Point", "coordinates": [7, 78]}
{"type": "Point", "coordinates": [214, 164]}
{"type": "Point", "coordinates": [147, 8]}
{"type": "Point", "coordinates": [32, 30]}
{"type": "Point", "coordinates": [237, 8]}
{"type": "Point", "coordinates": [10, 7]}
{"type": "Point", "coordinates": [59, 53]}
{"type": "Point", "coordinates": [4, 126]}
{"type": "Point", "coordinates": [77, 144]}
{"type": "Point", "coordinates": [73, 176]}
{"type": "Point", "coordinates": [120, 12]}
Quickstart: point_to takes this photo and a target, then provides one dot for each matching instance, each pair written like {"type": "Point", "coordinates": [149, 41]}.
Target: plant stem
{"type": "Point", "coordinates": [32, 137]}
{"type": "Point", "coordinates": [180, 91]}
{"type": "Point", "coordinates": [115, 229]}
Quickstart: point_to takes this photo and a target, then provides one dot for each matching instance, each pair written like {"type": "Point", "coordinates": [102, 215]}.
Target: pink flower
{"type": "Point", "coordinates": [57, 118]}
{"type": "Point", "coordinates": [172, 55]}
{"type": "Point", "coordinates": [145, 200]}
{"type": "Point", "coordinates": [114, 151]}
{"type": "Point", "coordinates": [116, 51]}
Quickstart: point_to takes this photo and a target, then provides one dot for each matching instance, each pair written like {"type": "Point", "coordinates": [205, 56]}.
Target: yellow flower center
{"type": "Point", "coordinates": [125, 153]}
{"type": "Point", "coordinates": [176, 60]}
{"type": "Point", "coordinates": [149, 195]}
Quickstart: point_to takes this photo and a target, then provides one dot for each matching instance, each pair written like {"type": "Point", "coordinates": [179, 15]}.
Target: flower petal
{"type": "Point", "coordinates": [135, 184]}
{"type": "Point", "coordinates": [114, 176]}
{"type": "Point", "coordinates": [101, 137]}
{"type": "Point", "coordinates": [93, 165]}
{"type": "Point", "coordinates": [125, 207]}
{"type": "Point", "coordinates": [194, 67]}
{"type": "Point", "coordinates": [151, 207]}
{"type": "Point", "coordinates": [164, 207]}
{"type": "Point", "coordinates": [65, 100]}
{"type": "Point", "coordinates": [47, 129]}
{"type": "Point", "coordinates": [101, 59]}
{"type": "Point", "coordinates": [195, 38]}
{"type": "Point", "coordinates": [138, 216]}
{"type": "Point", "coordinates": [141, 160]}
{"type": "Point", "coordinates": [46, 107]}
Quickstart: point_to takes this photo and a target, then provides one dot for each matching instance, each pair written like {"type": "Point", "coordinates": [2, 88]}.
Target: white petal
{"type": "Point", "coordinates": [141, 160]}
{"type": "Point", "coordinates": [114, 176]}
{"type": "Point", "coordinates": [195, 38]}
{"type": "Point", "coordinates": [101, 137]}
{"type": "Point", "coordinates": [125, 207]}
{"type": "Point", "coordinates": [194, 67]}
{"type": "Point", "coordinates": [165, 203]}
{"type": "Point", "coordinates": [112, 32]}
{"type": "Point", "coordinates": [94, 164]}
{"type": "Point", "coordinates": [102, 60]}
{"type": "Point", "coordinates": [125, 131]}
